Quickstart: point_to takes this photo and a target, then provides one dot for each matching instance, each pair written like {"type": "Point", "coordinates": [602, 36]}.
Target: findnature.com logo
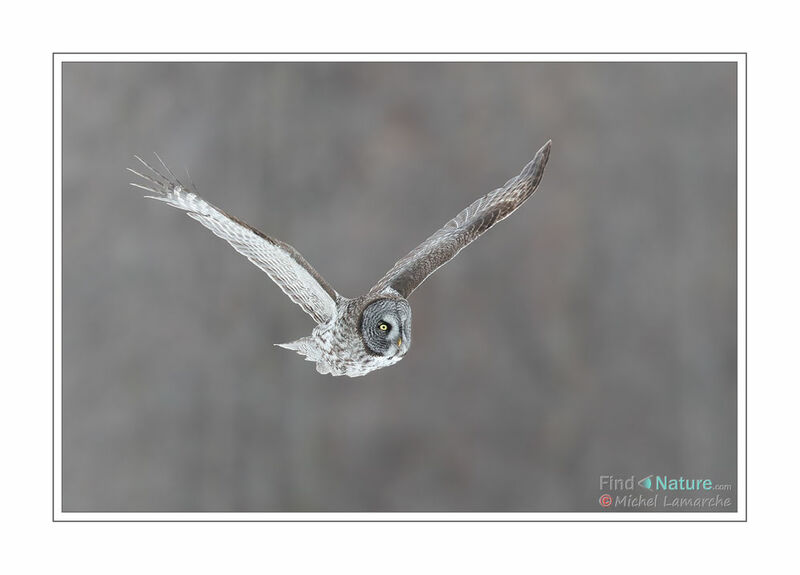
{"type": "Point", "coordinates": [656, 483]}
{"type": "Point", "coordinates": [667, 492]}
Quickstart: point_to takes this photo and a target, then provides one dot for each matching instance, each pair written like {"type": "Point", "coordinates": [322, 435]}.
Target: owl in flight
{"type": "Point", "coordinates": [353, 336]}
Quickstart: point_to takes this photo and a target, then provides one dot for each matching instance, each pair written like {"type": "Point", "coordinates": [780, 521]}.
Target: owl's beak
{"type": "Point", "coordinates": [399, 341]}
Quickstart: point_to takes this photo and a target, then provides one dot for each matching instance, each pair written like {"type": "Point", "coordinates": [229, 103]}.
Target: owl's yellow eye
{"type": "Point", "coordinates": [383, 327]}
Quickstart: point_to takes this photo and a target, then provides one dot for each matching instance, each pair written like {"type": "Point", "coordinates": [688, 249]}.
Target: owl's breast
{"type": "Point", "coordinates": [342, 349]}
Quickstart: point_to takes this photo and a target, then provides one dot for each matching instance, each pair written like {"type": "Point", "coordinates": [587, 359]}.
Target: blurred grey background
{"type": "Point", "coordinates": [591, 333]}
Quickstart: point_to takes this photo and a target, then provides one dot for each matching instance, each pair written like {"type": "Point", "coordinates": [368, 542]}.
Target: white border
{"type": "Point", "coordinates": [739, 59]}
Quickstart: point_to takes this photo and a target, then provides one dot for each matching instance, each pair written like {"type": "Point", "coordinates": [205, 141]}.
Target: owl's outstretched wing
{"type": "Point", "coordinates": [284, 264]}
{"type": "Point", "coordinates": [408, 273]}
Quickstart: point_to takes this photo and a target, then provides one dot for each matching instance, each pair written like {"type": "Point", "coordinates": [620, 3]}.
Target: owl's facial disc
{"type": "Point", "coordinates": [386, 327]}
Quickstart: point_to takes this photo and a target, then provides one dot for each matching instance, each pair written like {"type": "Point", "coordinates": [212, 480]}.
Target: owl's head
{"type": "Point", "coordinates": [386, 327]}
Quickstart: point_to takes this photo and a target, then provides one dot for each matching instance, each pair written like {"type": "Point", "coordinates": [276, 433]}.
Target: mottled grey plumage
{"type": "Point", "coordinates": [353, 336]}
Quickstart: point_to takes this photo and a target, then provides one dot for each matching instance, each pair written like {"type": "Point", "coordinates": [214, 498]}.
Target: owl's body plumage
{"type": "Point", "coordinates": [337, 347]}
{"type": "Point", "coordinates": [353, 336]}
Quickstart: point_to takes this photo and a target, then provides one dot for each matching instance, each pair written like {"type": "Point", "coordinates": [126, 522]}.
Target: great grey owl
{"type": "Point", "coordinates": [353, 336]}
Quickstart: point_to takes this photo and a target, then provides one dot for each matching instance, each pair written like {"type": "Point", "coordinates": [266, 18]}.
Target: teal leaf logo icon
{"type": "Point", "coordinates": [647, 482]}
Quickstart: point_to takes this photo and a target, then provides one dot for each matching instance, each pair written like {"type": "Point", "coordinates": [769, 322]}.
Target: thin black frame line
{"type": "Point", "coordinates": [397, 520]}
{"type": "Point", "coordinates": [415, 53]}
{"type": "Point", "coordinates": [52, 234]}
{"type": "Point", "coordinates": [53, 290]}
{"type": "Point", "coordinates": [392, 62]}
{"type": "Point", "coordinates": [746, 184]}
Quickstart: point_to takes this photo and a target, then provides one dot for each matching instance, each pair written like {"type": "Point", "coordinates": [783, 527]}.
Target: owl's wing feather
{"type": "Point", "coordinates": [282, 263]}
{"type": "Point", "coordinates": [408, 273]}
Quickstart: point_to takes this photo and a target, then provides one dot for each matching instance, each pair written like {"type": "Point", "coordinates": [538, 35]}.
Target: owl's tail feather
{"type": "Point", "coordinates": [304, 346]}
